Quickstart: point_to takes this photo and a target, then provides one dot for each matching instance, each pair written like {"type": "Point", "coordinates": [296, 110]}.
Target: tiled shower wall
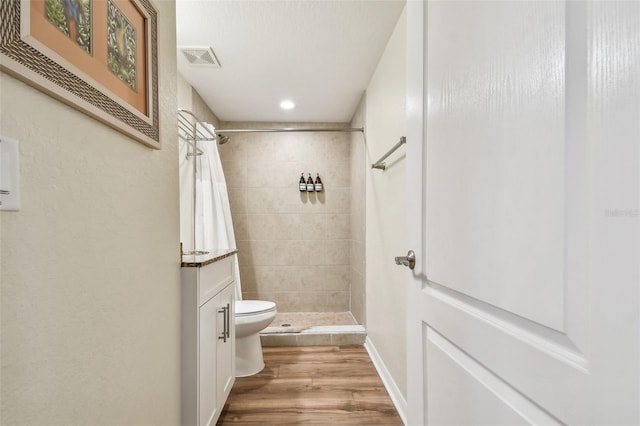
{"type": "Point", "coordinates": [294, 248]}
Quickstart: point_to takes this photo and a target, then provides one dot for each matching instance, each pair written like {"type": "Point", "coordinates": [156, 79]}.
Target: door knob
{"type": "Point", "coordinates": [408, 260]}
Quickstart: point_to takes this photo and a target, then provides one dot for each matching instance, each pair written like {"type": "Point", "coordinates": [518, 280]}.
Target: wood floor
{"type": "Point", "coordinates": [320, 385]}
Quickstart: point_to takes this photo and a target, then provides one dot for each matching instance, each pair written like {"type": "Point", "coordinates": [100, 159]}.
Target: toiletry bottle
{"type": "Point", "coordinates": [310, 186]}
{"type": "Point", "coordinates": [302, 185]}
{"type": "Point", "coordinates": [318, 184]}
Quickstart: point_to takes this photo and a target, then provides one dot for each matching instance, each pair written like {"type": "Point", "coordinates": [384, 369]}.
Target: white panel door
{"type": "Point", "coordinates": [524, 144]}
{"type": "Point", "coordinates": [226, 350]}
{"type": "Point", "coordinates": [209, 328]}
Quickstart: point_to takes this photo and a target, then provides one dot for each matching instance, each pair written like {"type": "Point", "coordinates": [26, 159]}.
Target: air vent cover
{"type": "Point", "coordinates": [200, 56]}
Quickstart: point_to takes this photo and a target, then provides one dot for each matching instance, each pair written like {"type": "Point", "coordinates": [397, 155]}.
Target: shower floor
{"type": "Point", "coordinates": [313, 328]}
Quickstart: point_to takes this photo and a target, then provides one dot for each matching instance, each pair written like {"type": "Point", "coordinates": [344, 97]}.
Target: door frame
{"type": "Point", "coordinates": [415, 209]}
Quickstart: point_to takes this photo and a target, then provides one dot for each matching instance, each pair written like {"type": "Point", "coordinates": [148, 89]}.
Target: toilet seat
{"type": "Point", "coordinates": [253, 307]}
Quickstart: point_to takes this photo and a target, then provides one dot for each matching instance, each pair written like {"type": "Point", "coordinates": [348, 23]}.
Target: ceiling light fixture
{"type": "Point", "coordinates": [287, 104]}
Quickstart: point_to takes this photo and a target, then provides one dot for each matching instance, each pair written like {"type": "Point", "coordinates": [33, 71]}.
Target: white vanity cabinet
{"type": "Point", "coordinates": [208, 339]}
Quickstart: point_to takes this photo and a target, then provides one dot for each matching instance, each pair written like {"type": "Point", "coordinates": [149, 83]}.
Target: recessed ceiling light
{"type": "Point", "coordinates": [287, 104]}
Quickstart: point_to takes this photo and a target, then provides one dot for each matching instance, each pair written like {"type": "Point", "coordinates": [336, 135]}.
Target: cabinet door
{"type": "Point", "coordinates": [209, 324]}
{"type": "Point", "coordinates": [226, 350]}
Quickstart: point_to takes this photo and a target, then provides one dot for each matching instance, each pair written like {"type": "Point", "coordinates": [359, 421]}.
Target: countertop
{"type": "Point", "coordinates": [198, 260]}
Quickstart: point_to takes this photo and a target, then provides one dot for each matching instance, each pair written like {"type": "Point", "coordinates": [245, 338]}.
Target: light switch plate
{"type": "Point", "coordinates": [9, 175]}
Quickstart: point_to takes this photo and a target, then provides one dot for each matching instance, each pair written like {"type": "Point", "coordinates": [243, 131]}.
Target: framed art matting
{"type": "Point", "coordinates": [98, 56]}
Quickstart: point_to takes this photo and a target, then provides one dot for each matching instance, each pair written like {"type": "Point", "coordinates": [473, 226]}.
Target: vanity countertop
{"type": "Point", "coordinates": [198, 260]}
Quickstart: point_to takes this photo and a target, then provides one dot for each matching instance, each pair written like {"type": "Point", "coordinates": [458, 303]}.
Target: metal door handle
{"type": "Point", "coordinates": [223, 311]}
{"type": "Point", "coordinates": [228, 321]}
{"type": "Point", "coordinates": [408, 260]}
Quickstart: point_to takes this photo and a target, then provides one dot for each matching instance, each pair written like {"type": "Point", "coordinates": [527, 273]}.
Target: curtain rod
{"type": "Point", "coordinates": [291, 129]}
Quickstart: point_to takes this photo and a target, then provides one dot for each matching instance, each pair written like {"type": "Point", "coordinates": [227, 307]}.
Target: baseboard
{"type": "Point", "coordinates": [387, 380]}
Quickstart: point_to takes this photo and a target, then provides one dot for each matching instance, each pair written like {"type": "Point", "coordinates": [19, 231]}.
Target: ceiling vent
{"type": "Point", "coordinates": [200, 56]}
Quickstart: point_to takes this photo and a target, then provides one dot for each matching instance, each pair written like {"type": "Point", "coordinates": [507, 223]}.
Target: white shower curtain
{"type": "Point", "coordinates": [186, 195]}
{"type": "Point", "coordinates": [214, 225]}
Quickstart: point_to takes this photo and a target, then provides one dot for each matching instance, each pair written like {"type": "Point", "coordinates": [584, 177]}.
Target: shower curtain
{"type": "Point", "coordinates": [213, 222]}
{"type": "Point", "coordinates": [187, 182]}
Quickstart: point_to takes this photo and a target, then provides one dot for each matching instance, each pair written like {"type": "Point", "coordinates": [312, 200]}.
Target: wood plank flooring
{"type": "Point", "coordinates": [319, 385]}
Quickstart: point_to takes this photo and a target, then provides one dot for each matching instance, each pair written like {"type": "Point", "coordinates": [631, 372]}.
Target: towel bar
{"type": "Point", "coordinates": [380, 163]}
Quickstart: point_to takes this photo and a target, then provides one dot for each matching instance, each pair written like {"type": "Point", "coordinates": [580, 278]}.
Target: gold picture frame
{"type": "Point", "coordinates": [114, 80]}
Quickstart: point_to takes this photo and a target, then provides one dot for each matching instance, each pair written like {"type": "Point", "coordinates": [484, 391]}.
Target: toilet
{"type": "Point", "coordinates": [251, 317]}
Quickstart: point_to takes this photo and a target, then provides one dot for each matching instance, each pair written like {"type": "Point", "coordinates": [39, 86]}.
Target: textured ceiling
{"type": "Point", "coordinates": [320, 54]}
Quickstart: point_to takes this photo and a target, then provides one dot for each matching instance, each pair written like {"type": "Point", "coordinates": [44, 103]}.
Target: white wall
{"type": "Point", "coordinates": [185, 168]}
{"type": "Point", "coordinates": [185, 94]}
{"type": "Point", "coordinates": [386, 226]}
{"type": "Point", "coordinates": [90, 277]}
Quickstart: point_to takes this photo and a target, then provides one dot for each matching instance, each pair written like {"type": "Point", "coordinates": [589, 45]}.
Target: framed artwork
{"type": "Point", "coordinates": [99, 56]}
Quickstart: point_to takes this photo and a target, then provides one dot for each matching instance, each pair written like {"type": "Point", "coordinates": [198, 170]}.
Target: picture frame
{"type": "Point", "coordinates": [98, 56]}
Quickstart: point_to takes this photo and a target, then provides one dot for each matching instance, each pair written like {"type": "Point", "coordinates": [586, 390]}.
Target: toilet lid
{"type": "Point", "coordinates": [249, 307]}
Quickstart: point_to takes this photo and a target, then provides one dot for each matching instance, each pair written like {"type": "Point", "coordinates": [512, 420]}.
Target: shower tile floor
{"type": "Point", "coordinates": [313, 328]}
